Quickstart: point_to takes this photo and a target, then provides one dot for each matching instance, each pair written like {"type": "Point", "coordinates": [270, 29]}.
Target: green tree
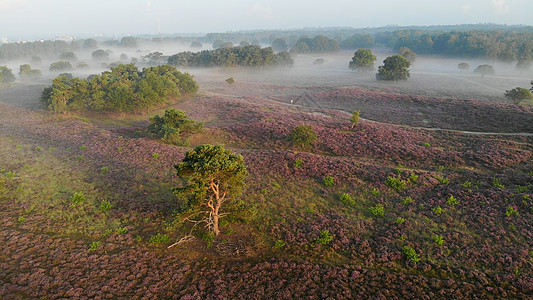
{"type": "Point", "coordinates": [303, 136]}
{"type": "Point", "coordinates": [408, 54]}
{"type": "Point", "coordinates": [355, 117]}
{"type": "Point", "coordinates": [173, 126]}
{"type": "Point", "coordinates": [213, 177]}
{"type": "Point", "coordinates": [6, 76]}
{"type": "Point", "coordinates": [394, 68]}
{"type": "Point", "coordinates": [362, 60]}
{"type": "Point", "coordinates": [463, 66]}
{"type": "Point", "coordinates": [279, 45]}
{"type": "Point", "coordinates": [484, 70]}
{"type": "Point", "coordinates": [100, 55]}
{"type": "Point", "coordinates": [518, 94]}
{"type": "Point", "coordinates": [61, 66]}
{"type": "Point", "coordinates": [68, 56]}
{"type": "Point", "coordinates": [26, 72]}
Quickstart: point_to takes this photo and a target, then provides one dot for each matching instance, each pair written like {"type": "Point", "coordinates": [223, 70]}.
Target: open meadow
{"type": "Point", "coordinates": [428, 196]}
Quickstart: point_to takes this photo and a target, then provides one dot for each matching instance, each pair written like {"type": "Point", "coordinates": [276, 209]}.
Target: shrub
{"type": "Point", "coordinates": [411, 254]}
{"type": "Point", "coordinates": [438, 239]}
{"type": "Point", "coordinates": [511, 211]}
{"type": "Point", "coordinates": [324, 238]}
{"type": "Point", "coordinates": [121, 230]}
{"type": "Point", "coordinates": [347, 199]}
{"type": "Point", "coordinates": [497, 183]}
{"type": "Point", "coordinates": [77, 198]}
{"type": "Point", "coordinates": [279, 244]}
{"type": "Point", "coordinates": [355, 117]}
{"type": "Point", "coordinates": [443, 180]}
{"type": "Point", "coordinates": [396, 182]}
{"type": "Point", "coordinates": [159, 239]}
{"type": "Point", "coordinates": [399, 220]}
{"type": "Point", "coordinates": [298, 163]}
{"type": "Point", "coordinates": [328, 181]}
{"type": "Point", "coordinates": [378, 210]}
{"type": "Point", "coordinates": [407, 200]}
{"type": "Point", "coordinates": [452, 201]}
{"type": "Point", "coordinates": [467, 184]}
{"type": "Point", "coordinates": [438, 210]}
{"type": "Point", "coordinates": [230, 81]}
{"type": "Point", "coordinates": [106, 205]}
{"type": "Point", "coordinates": [303, 136]}
{"type": "Point", "coordinates": [94, 246]}
{"type": "Point", "coordinates": [173, 126]}
{"type": "Point", "coordinates": [104, 170]}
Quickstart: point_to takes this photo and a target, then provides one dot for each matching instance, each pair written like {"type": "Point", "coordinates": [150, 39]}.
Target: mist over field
{"type": "Point", "coordinates": [266, 150]}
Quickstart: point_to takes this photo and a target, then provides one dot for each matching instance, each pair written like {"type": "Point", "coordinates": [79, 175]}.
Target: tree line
{"type": "Point", "coordinates": [124, 88]}
{"type": "Point", "coordinates": [246, 56]}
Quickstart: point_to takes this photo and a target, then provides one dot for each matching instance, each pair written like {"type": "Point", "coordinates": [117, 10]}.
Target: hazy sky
{"type": "Point", "coordinates": [73, 17]}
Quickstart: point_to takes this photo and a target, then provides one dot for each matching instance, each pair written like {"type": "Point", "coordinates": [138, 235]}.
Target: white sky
{"type": "Point", "coordinates": [73, 17]}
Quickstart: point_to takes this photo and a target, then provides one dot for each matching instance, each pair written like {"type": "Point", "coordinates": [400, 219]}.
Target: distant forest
{"type": "Point", "coordinates": [495, 42]}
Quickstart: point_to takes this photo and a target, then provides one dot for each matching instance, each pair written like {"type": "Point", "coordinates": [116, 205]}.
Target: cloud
{"type": "Point", "coordinates": [500, 6]}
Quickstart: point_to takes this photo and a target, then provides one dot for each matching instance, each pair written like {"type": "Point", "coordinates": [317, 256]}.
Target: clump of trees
{"type": "Point", "coordinates": [356, 41]}
{"type": "Point", "coordinates": [247, 56]}
{"type": "Point", "coordinates": [317, 44]}
{"type": "Point", "coordinates": [27, 73]}
{"type": "Point", "coordinates": [362, 60]}
{"type": "Point", "coordinates": [408, 54]}
{"type": "Point", "coordinates": [213, 176]}
{"type": "Point", "coordinates": [6, 76]}
{"type": "Point", "coordinates": [61, 65]}
{"type": "Point", "coordinates": [302, 136]}
{"type": "Point", "coordinates": [394, 68]}
{"type": "Point", "coordinates": [100, 55]}
{"type": "Point", "coordinates": [279, 45]}
{"type": "Point", "coordinates": [173, 127]}
{"type": "Point", "coordinates": [484, 70]}
{"type": "Point", "coordinates": [519, 94]}
{"type": "Point", "coordinates": [463, 66]}
{"type": "Point", "coordinates": [124, 88]}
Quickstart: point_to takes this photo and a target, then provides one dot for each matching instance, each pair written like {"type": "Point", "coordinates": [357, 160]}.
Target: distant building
{"type": "Point", "coordinates": [3, 40]}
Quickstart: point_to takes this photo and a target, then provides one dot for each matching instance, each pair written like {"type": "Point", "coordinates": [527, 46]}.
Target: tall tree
{"type": "Point", "coordinates": [362, 60]}
{"type": "Point", "coordinates": [518, 94]}
{"type": "Point", "coordinates": [394, 68]}
{"type": "Point", "coordinates": [214, 176]}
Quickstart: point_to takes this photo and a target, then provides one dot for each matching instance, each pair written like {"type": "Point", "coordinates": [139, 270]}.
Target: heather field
{"type": "Point", "coordinates": [429, 196]}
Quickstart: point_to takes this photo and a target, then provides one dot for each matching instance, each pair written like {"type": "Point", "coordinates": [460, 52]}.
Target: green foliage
{"type": "Point", "coordinates": [6, 76]}
{"type": "Point", "coordinates": [452, 201]}
{"type": "Point", "coordinates": [394, 68]}
{"type": "Point", "coordinates": [298, 163]}
{"type": "Point", "coordinates": [411, 254]}
{"type": "Point", "coordinates": [399, 220]}
{"type": "Point", "coordinates": [362, 60]}
{"type": "Point", "coordinates": [328, 181]}
{"type": "Point", "coordinates": [279, 244]}
{"type": "Point", "coordinates": [303, 136]}
{"type": "Point", "coordinates": [60, 66]}
{"type": "Point", "coordinates": [443, 180]}
{"type": "Point", "coordinates": [355, 117]}
{"type": "Point", "coordinates": [467, 184]}
{"type": "Point", "coordinates": [363, 40]}
{"type": "Point", "coordinates": [497, 183]}
{"type": "Point", "coordinates": [26, 73]}
{"type": "Point", "coordinates": [104, 170]}
{"type": "Point", "coordinates": [155, 155]}
{"type": "Point", "coordinates": [484, 70]}
{"type": "Point", "coordinates": [438, 210]}
{"type": "Point", "coordinates": [213, 176]}
{"type": "Point", "coordinates": [324, 238]}
{"type": "Point", "coordinates": [518, 94]}
{"type": "Point", "coordinates": [124, 89]}
{"type": "Point", "coordinates": [378, 210]}
{"type": "Point", "coordinates": [173, 126]}
{"type": "Point", "coordinates": [407, 200]}
{"type": "Point", "coordinates": [511, 211]}
{"type": "Point", "coordinates": [121, 230]}
{"type": "Point", "coordinates": [279, 45]}
{"type": "Point", "coordinates": [159, 239]}
{"type": "Point", "coordinates": [438, 239]}
{"type": "Point", "coordinates": [78, 198]}
{"type": "Point", "coordinates": [105, 205]}
{"type": "Point", "coordinates": [427, 145]}
{"type": "Point", "coordinates": [347, 199]}
{"type": "Point", "coordinates": [21, 219]}
{"type": "Point", "coordinates": [317, 44]}
{"type": "Point", "coordinates": [396, 182]}
{"type": "Point", "coordinates": [100, 55]}
{"type": "Point", "coordinates": [246, 56]}
{"type": "Point", "coordinates": [94, 246]}
{"type": "Point", "coordinates": [230, 81]}
{"type": "Point", "coordinates": [408, 54]}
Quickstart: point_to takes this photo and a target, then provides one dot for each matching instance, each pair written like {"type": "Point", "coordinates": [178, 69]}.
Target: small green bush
{"type": "Point", "coordinates": [452, 201]}
{"type": "Point", "coordinates": [104, 170]}
{"type": "Point", "coordinates": [347, 199]}
{"type": "Point", "coordinates": [121, 230]}
{"type": "Point", "coordinates": [279, 244]}
{"type": "Point", "coordinates": [302, 136]}
{"type": "Point", "coordinates": [438, 210]}
{"type": "Point", "coordinates": [497, 183]}
{"type": "Point", "coordinates": [399, 220]}
{"type": "Point", "coordinates": [298, 163]}
{"type": "Point", "coordinates": [106, 205]}
{"type": "Point", "coordinates": [155, 155]}
{"type": "Point", "coordinates": [407, 200]}
{"type": "Point", "coordinates": [467, 184]}
{"type": "Point", "coordinates": [411, 254]}
{"type": "Point", "coordinates": [511, 211]}
{"type": "Point", "coordinates": [438, 239]}
{"type": "Point", "coordinates": [442, 180]}
{"type": "Point", "coordinates": [324, 238]}
{"type": "Point", "coordinates": [159, 239]}
{"type": "Point", "coordinates": [329, 181]}
{"type": "Point", "coordinates": [378, 210]}
{"type": "Point", "coordinates": [94, 246]}
{"type": "Point", "coordinates": [78, 198]}
{"type": "Point", "coordinates": [396, 182]}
